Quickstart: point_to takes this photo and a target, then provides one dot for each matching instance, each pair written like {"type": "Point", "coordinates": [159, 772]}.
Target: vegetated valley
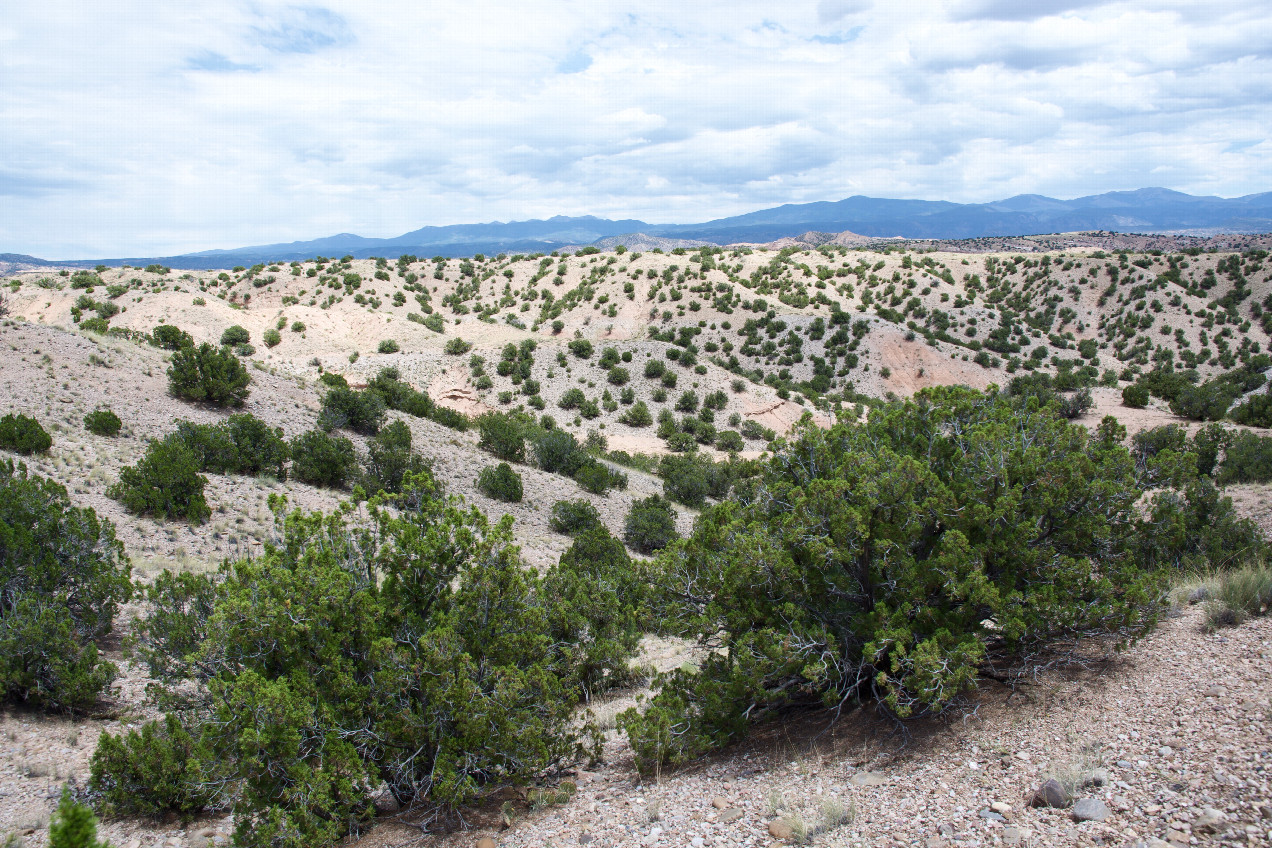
{"type": "Point", "coordinates": [941, 543]}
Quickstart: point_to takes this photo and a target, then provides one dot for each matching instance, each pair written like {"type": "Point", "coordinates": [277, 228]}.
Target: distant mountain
{"type": "Point", "coordinates": [1147, 210]}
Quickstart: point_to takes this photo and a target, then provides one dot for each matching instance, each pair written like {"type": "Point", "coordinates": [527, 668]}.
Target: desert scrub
{"type": "Point", "coordinates": [500, 482]}
{"type": "Point", "coordinates": [650, 525]}
{"type": "Point", "coordinates": [920, 587]}
{"type": "Point", "coordinates": [1238, 595]}
{"type": "Point", "coordinates": [208, 374]}
{"type": "Point", "coordinates": [65, 576]}
{"type": "Point", "coordinates": [102, 422]}
{"type": "Point", "coordinates": [235, 335]}
{"type": "Point", "coordinates": [323, 460]}
{"type": "Point", "coordinates": [165, 483]}
{"type": "Point", "coordinates": [416, 624]}
{"type": "Point", "coordinates": [22, 434]}
{"type": "Point", "coordinates": [573, 517]}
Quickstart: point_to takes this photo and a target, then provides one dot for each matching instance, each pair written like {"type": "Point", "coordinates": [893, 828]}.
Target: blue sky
{"type": "Point", "coordinates": [156, 128]}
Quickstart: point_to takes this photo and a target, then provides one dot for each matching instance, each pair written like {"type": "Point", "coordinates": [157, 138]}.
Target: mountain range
{"type": "Point", "coordinates": [1147, 210]}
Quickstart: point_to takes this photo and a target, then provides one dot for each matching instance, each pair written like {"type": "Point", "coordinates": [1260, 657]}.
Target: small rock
{"type": "Point", "coordinates": [1210, 821]}
{"type": "Point", "coordinates": [1165, 751]}
{"type": "Point", "coordinates": [720, 803]}
{"type": "Point", "coordinates": [730, 816]}
{"type": "Point", "coordinates": [586, 839]}
{"type": "Point", "coordinates": [868, 778]}
{"type": "Point", "coordinates": [1000, 807]}
{"type": "Point", "coordinates": [1090, 809]}
{"type": "Point", "coordinates": [990, 815]}
{"type": "Point", "coordinates": [1125, 764]}
{"type": "Point", "coordinates": [1012, 835]}
{"type": "Point", "coordinates": [485, 842]}
{"type": "Point", "coordinates": [385, 803]}
{"type": "Point", "coordinates": [780, 829]}
{"type": "Point", "coordinates": [1216, 691]}
{"type": "Point", "coordinates": [1050, 794]}
{"type": "Point", "coordinates": [935, 842]}
{"type": "Point", "coordinates": [1098, 777]}
{"type": "Point", "coordinates": [133, 843]}
{"type": "Point", "coordinates": [697, 842]}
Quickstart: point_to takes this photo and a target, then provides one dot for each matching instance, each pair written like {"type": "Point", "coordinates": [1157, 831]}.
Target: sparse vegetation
{"type": "Point", "coordinates": [23, 435]}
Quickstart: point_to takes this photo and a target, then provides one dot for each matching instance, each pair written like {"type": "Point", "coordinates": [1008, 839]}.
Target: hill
{"type": "Point", "coordinates": [727, 348]}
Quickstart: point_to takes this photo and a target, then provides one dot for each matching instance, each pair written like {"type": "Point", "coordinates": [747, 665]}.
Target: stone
{"type": "Point", "coordinates": [1090, 809]}
{"type": "Point", "coordinates": [868, 778]}
{"type": "Point", "coordinates": [720, 803]}
{"type": "Point", "coordinates": [780, 829]}
{"type": "Point", "coordinates": [1210, 821]}
{"type": "Point", "coordinates": [731, 815]}
{"type": "Point", "coordinates": [1125, 764]}
{"type": "Point", "coordinates": [935, 842]}
{"type": "Point", "coordinates": [1165, 751]}
{"type": "Point", "coordinates": [385, 804]}
{"type": "Point", "coordinates": [1000, 807]}
{"type": "Point", "coordinates": [1216, 691]}
{"type": "Point", "coordinates": [486, 842]}
{"type": "Point", "coordinates": [1050, 794]}
{"type": "Point", "coordinates": [1012, 835]}
{"type": "Point", "coordinates": [990, 815]}
{"type": "Point", "coordinates": [1097, 777]}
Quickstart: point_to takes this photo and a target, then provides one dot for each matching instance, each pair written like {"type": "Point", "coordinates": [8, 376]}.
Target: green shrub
{"type": "Point", "coordinates": [1135, 396]}
{"type": "Point", "coordinates": [156, 771]}
{"type": "Point", "coordinates": [619, 376]}
{"type": "Point", "coordinates": [23, 434]}
{"type": "Point", "coordinates": [688, 402]}
{"type": "Point", "coordinates": [503, 436]}
{"type": "Point", "coordinates": [1247, 459]}
{"type": "Point", "coordinates": [636, 416]}
{"type": "Point", "coordinates": [650, 525]}
{"type": "Point", "coordinates": [169, 337]}
{"type": "Point", "coordinates": [1256, 411]}
{"type": "Point", "coordinates": [593, 477]}
{"type": "Point", "coordinates": [102, 422]}
{"type": "Point", "coordinates": [1207, 402]}
{"type": "Point", "coordinates": [918, 583]}
{"type": "Point", "coordinates": [390, 460]}
{"type": "Point", "coordinates": [1195, 528]}
{"type": "Point", "coordinates": [208, 374]}
{"type": "Point", "coordinates": [242, 444]}
{"type": "Point", "coordinates": [322, 460]}
{"type": "Point", "coordinates": [95, 325]}
{"type": "Point", "coordinates": [165, 483]}
{"type": "Point", "coordinates": [64, 576]}
{"type": "Point", "coordinates": [431, 661]}
{"type": "Point", "coordinates": [457, 346]}
{"type": "Point", "coordinates": [388, 346]}
{"type": "Point", "coordinates": [435, 323]}
{"type": "Point", "coordinates": [235, 335]}
{"type": "Point", "coordinates": [654, 368]}
{"type": "Point", "coordinates": [558, 452]}
{"type": "Point", "coordinates": [573, 517]}
{"type": "Point", "coordinates": [572, 398]}
{"type": "Point", "coordinates": [688, 478]}
{"type": "Point", "coordinates": [582, 348]}
{"type": "Point", "coordinates": [360, 411]}
{"type": "Point", "coordinates": [73, 825]}
{"type": "Point", "coordinates": [272, 338]}
{"type": "Point", "coordinates": [729, 441]}
{"type": "Point", "coordinates": [500, 482]}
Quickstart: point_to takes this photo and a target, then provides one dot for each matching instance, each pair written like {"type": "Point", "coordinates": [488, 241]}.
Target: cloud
{"type": "Point", "coordinates": [252, 121]}
{"type": "Point", "coordinates": [830, 11]}
{"type": "Point", "coordinates": [575, 63]}
{"type": "Point", "coordinates": [303, 29]}
{"type": "Point", "coordinates": [208, 60]}
{"type": "Point", "coordinates": [1018, 10]}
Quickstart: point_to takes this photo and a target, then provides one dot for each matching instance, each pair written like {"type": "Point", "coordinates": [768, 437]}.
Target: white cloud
{"type": "Point", "coordinates": [144, 128]}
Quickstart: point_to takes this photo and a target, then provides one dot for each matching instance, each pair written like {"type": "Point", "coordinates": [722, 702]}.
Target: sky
{"type": "Point", "coordinates": [150, 129]}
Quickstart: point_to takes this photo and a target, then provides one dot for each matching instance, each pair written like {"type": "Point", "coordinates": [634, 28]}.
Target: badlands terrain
{"type": "Point", "coordinates": [1172, 736]}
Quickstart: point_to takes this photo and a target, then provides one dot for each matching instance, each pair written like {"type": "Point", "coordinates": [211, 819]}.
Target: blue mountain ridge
{"type": "Point", "coordinates": [1143, 210]}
